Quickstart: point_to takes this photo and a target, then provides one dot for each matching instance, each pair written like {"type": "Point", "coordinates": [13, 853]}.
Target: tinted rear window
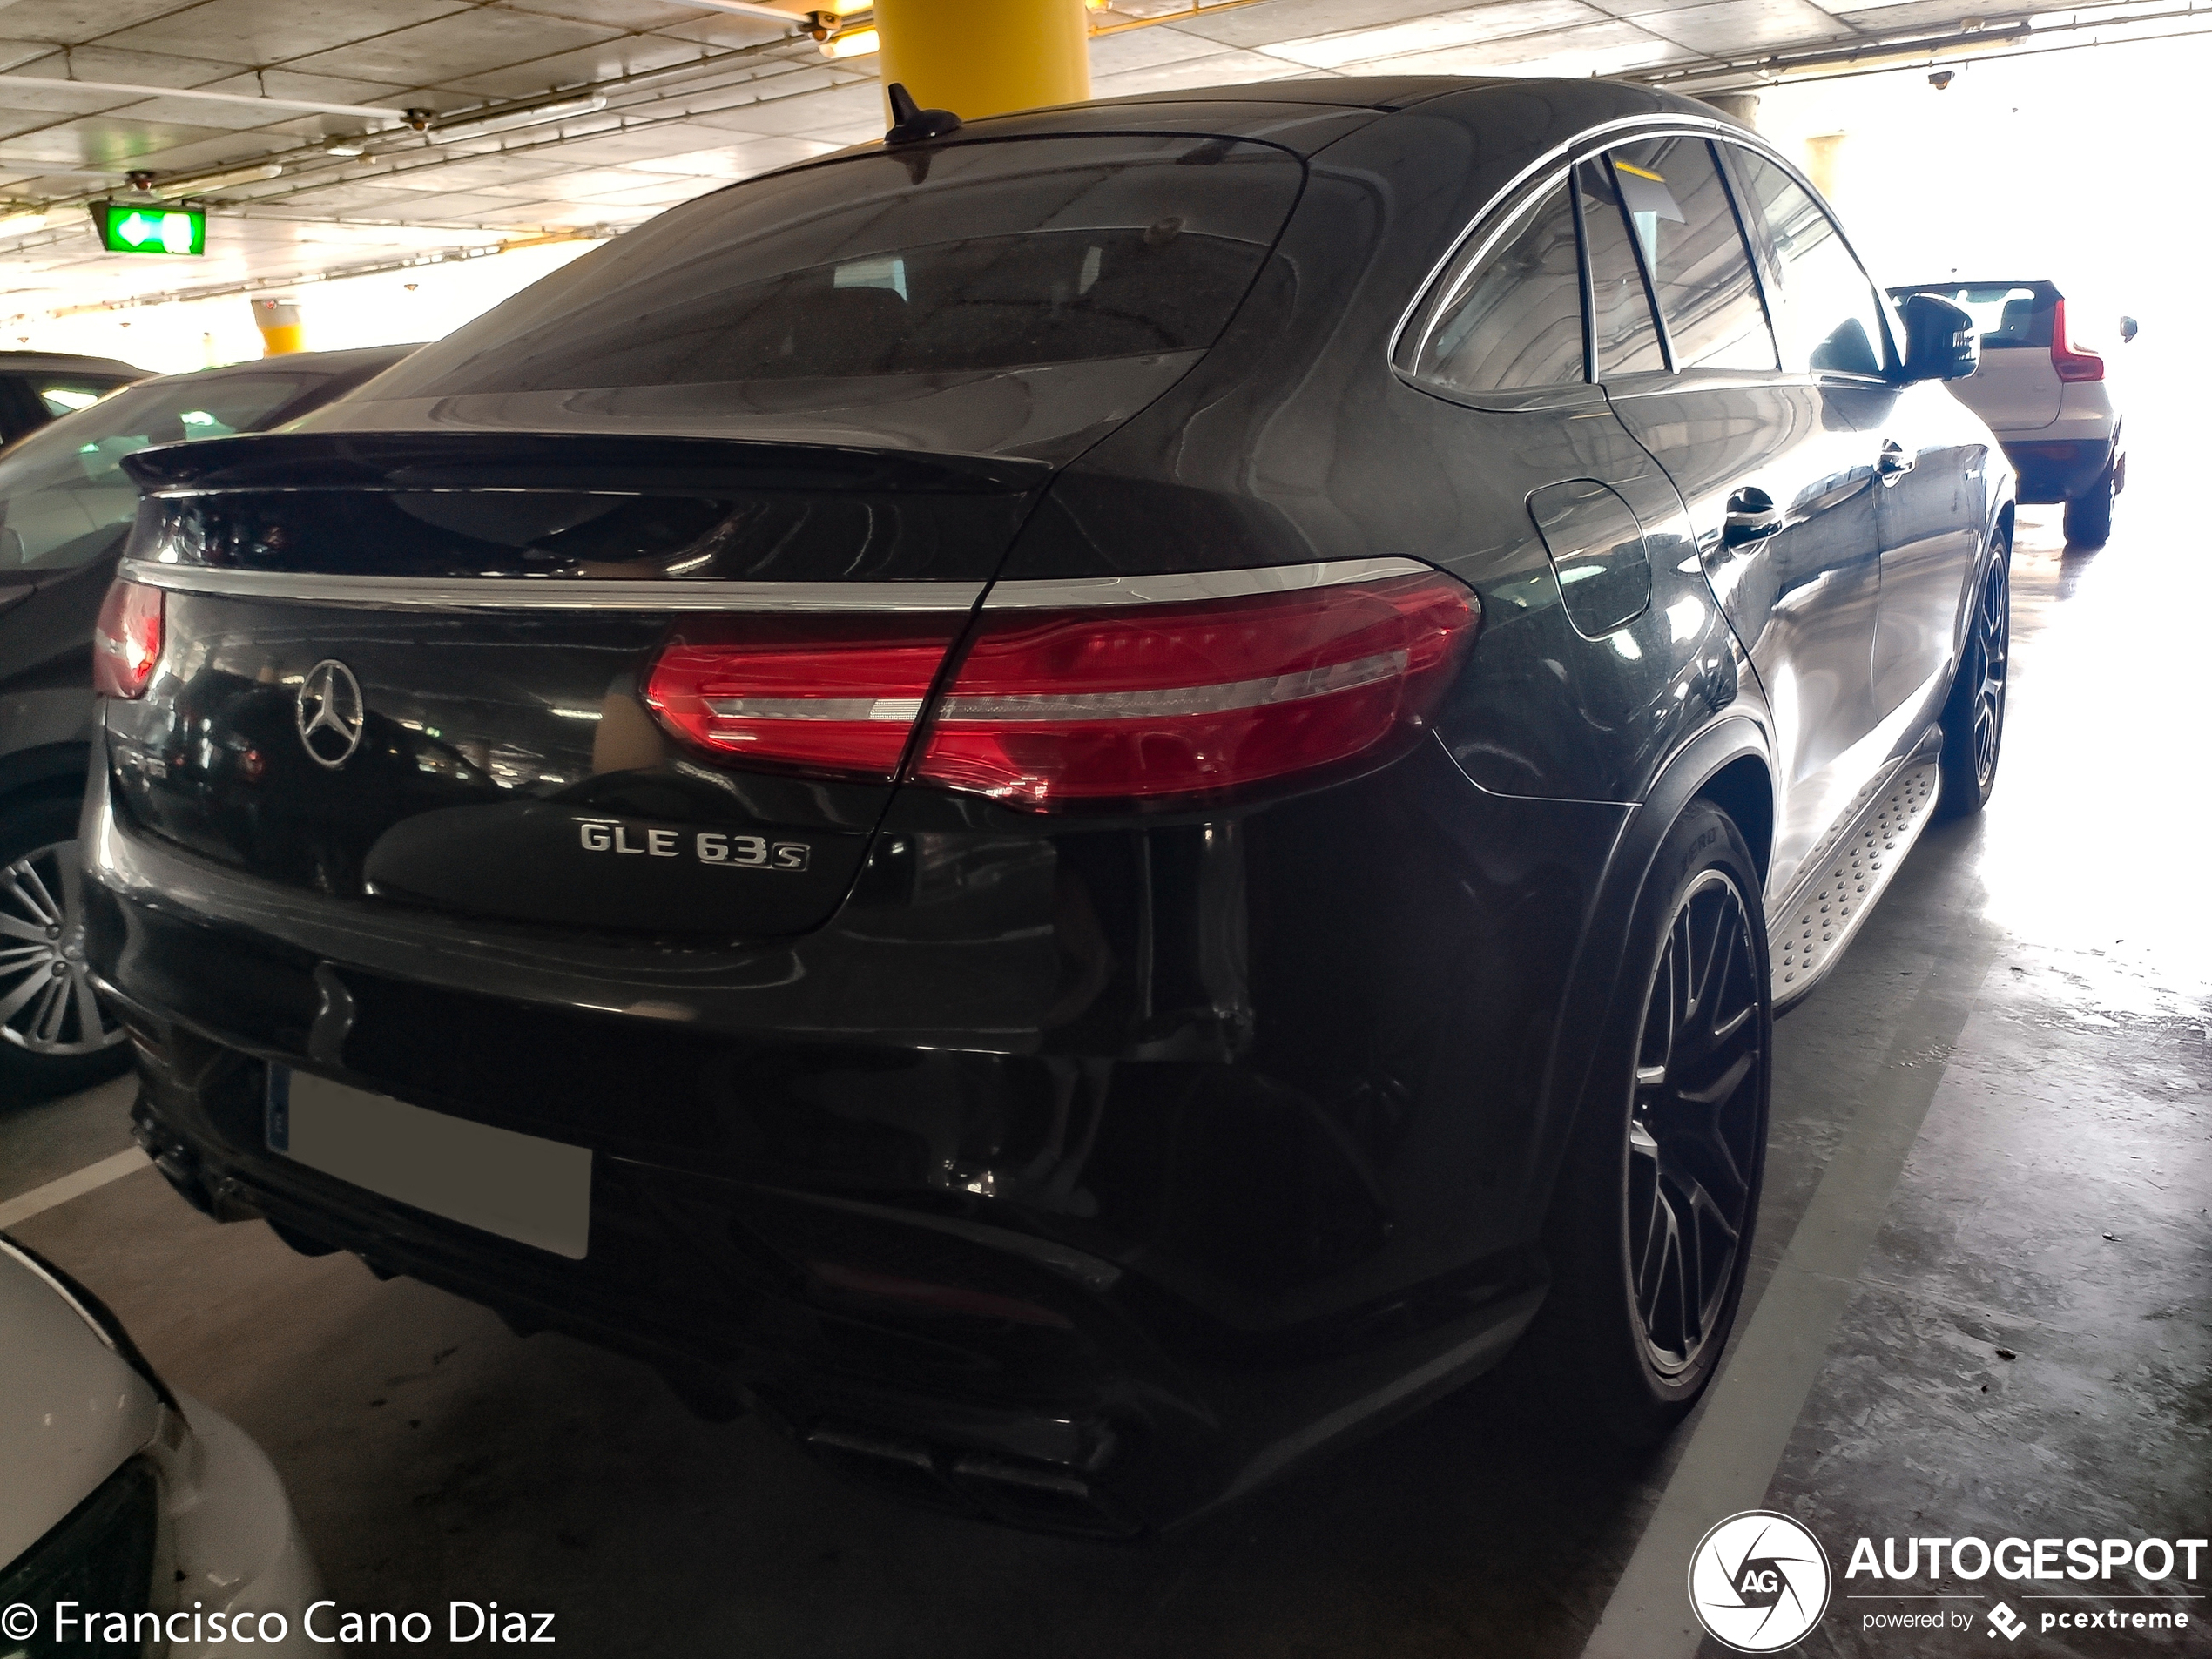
{"type": "Point", "coordinates": [969, 258]}
{"type": "Point", "coordinates": [2007, 313]}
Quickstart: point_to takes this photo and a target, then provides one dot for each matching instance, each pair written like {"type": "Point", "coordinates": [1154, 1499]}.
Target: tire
{"type": "Point", "coordinates": [2089, 515]}
{"type": "Point", "coordinates": [1974, 716]}
{"type": "Point", "coordinates": [55, 1036]}
{"type": "Point", "coordinates": [1650, 1228]}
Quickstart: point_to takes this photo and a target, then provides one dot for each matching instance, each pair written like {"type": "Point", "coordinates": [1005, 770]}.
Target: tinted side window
{"type": "Point", "coordinates": [62, 394]}
{"type": "Point", "coordinates": [1827, 314]}
{"type": "Point", "coordinates": [2008, 315]}
{"type": "Point", "coordinates": [65, 498]}
{"type": "Point", "coordinates": [1701, 272]}
{"type": "Point", "coordinates": [1623, 339]}
{"type": "Point", "coordinates": [1514, 317]}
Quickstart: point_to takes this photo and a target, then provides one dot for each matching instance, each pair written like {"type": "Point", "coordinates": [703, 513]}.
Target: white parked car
{"type": "Point", "coordinates": [121, 1503]}
{"type": "Point", "coordinates": [2043, 389]}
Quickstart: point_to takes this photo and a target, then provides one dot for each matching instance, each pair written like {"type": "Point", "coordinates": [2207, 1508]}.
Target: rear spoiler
{"type": "Point", "coordinates": [582, 461]}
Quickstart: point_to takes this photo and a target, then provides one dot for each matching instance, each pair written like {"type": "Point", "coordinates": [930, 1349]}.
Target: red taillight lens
{"type": "Point", "coordinates": [2071, 362]}
{"type": "Point", "coordinates": [126, 641]}
{"type": "Point", "coordinates": [1157, 703]}
{"type": "Point", "coordinates": [836, 696]}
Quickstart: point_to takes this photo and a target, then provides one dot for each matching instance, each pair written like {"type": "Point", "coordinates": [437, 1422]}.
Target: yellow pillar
{"type": "Point", "coordinates": [1824, 162]}
{"type": "Point", "coordinates": [979, 58]}
{"type": "Point", "coordinates": [279, 321]}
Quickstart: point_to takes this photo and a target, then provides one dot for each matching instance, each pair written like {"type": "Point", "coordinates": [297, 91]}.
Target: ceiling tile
{"type": "Point", "coordinates": [724, 28]}
{"type": "Point", "coordinates": [788, 113]}
{"type": "Point", "coordinates": [1216, 68]}
{"type": "Point", "coordinates": [1468, 27]}
{"type": "Point", "coordinates": [638, 144]}
{"type": "Point", "coordinates": [666, 194]}
{"type": "Point", "coordinates": [1607, 46]}
{"type": "Point", "coordinates": [320, 89]}
{"type": "Point", "coordinates": [256, 31]}
{"type": "Point", "coordinates": [475, 42]}
{"type": "Point", "coordinates": [623, 55]}
{"type": "Point", "coordinates": [435, 204]}
{"type": "Point", "coordinates": [21, 54]}
{"type": "Point", "coordinates": [1144, 47]}
{"type": "Point", "coordinates": [1297, 19]}
{"type": "Point", "coordinates": [1737, 26]}
{"type": "Point", "coordinates": [614, 14]}
{"type": "Point", "coordinates": [511, 175]}
{"type": "Point", "coordinates": [1915, 16]}
{"type": "Point", "coordinates": [100, 141]}
{"type": "Point", "coordinates": [76, 20]}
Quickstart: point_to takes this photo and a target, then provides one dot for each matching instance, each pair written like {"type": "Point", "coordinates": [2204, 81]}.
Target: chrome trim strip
{"type": "Point", "coordinates": [1072, 592]}
{"type": "Point", "coordinates": [552, 593]}
{"type": "Point", "coordinates": [556, 593]}
{"type": "Point", "coordinates": [1563, 156]}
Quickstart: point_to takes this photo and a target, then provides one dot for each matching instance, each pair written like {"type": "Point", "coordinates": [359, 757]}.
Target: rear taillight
{"type": "Point", "coordinates": [2072, 362]}
{"type": "Point", "coordinates": [126, 641]}
{"type": "Point", "coordinates": [1162, 704]}
{"type": "Point", "coordinates": [833, 696]}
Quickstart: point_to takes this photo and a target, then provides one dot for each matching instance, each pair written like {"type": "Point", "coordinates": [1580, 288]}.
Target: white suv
{"type": "Point", "coordinates": [2045, 396]}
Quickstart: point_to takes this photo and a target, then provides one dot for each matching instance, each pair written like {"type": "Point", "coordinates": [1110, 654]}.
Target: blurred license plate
{"type": "Point", "coordinates": [535, 1191]}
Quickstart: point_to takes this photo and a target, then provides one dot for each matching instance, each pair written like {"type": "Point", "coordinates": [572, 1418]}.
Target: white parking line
{"type": "Point", "coordinates": [1744, 1426]}
{"type": "Point", "coordinates": [91, 1178]}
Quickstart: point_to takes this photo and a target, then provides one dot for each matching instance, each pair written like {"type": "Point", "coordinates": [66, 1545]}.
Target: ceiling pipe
{"type": "Point", "coordinates": [311, 105]}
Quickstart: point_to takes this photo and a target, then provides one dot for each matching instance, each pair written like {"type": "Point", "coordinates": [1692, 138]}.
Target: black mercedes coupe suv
{"type": "Point", "coordinates": [1080, 803]}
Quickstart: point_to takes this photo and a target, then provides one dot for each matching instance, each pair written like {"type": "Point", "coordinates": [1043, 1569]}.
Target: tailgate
{"type": "Point", "coordinates": [2015, 389]}
{"type": "Point", "coordinates": [420, 672]}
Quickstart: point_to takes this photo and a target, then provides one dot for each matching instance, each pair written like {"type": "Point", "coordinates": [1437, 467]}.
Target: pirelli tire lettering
{"type": "Point", "coordinates": [723, 849]}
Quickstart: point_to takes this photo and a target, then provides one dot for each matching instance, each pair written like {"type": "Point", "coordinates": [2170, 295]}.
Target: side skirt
{"type": "Point", "coordinates": [1809, 935]}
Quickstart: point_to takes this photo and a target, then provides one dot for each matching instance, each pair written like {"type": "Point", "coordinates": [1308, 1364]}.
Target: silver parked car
{"type": "Point", "coordinates": [2045, 394]}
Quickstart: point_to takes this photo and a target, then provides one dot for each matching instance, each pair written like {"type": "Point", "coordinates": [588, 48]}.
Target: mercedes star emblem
{"type": "Point", "coordinates": [330, 713]}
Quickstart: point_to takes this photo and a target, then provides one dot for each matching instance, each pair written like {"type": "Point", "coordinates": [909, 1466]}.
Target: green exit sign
{"type": "Point", "coordinates": [130, 228]}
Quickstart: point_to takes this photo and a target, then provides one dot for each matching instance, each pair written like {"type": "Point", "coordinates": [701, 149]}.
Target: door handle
{"type": "Point", "coordinates": [1896, 460]}
{"type": "Point", "coordinates": [1752, 516]}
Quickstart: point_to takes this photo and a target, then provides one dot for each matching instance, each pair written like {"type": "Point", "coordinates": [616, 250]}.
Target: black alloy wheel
{"type": "Point", "coordinates": [56, 1034]}
{"type": "Point", "coordinates": [1973, 719]}
{"type": "Point", "coordinates": [1696, 1126]}
{"type": "Point", "coordinates": [1651, 1226]}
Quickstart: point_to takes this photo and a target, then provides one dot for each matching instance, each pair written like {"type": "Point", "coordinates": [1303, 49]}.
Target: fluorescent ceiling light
{"type": "Point", "coordinates": [491, 121]}
{"type": "Point", "coordinates": [211, 97]}
{"type": "Point", "coordinates": [857, 43]}
{"type": "Point", "coordinates": [193, 183]}
{"type": "Point", "coordinates": [22, 224]}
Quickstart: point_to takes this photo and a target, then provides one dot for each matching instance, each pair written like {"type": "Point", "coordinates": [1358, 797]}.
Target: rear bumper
{"type": "Point", "coordinates": [1037, 1384]}
{"type": "Point", "coordinates": [2059, 470]}
{"type": "Point", "coordinates": [1097, 1277]}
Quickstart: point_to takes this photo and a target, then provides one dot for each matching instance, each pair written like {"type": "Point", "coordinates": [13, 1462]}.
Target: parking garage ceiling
{"type": "Point", "coordinates": [335, 136]}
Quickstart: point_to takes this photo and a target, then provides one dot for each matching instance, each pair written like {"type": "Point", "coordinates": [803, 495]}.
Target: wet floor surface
{"type": "Point", "coordinates": [1983, 1249]}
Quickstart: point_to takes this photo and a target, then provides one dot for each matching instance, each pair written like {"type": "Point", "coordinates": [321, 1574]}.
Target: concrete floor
{"type": "Point", "coordinates": [1981, 1304]}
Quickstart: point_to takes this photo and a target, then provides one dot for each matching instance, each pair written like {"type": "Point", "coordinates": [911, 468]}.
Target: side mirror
{"type": "Point", "coordinates": [1940, 341]}
{"type": "Point", "coordinates": [2129, 327]}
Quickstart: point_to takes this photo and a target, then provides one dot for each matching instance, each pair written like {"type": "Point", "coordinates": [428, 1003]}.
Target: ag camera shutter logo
{"type": "Point", "coordinates": [1758, 1582]}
